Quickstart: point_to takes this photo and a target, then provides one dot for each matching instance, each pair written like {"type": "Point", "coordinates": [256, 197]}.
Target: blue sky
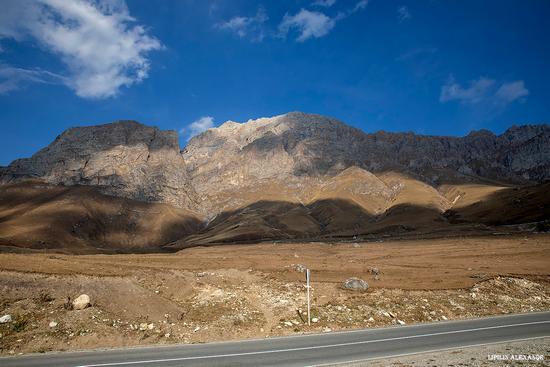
{"type": "Point", "coordinates": [432, 67]}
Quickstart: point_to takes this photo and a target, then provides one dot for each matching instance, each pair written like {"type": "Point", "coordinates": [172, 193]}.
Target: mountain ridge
{"type": "Point", "coordinates": [295, 175]}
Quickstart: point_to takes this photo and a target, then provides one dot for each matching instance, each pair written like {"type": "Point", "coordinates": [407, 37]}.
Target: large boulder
{"type": "Point", "coordinates": [355, 284]}
{"type": "Point", "coordinates": [81, 302]}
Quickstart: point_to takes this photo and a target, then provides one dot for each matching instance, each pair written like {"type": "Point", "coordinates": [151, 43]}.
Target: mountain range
{"type": "Point", "coordinates": [125, 186]}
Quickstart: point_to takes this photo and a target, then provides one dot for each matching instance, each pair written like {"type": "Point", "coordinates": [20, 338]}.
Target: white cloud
{"type": "Point", "coordinates": [483, 90]}
{"type": "Point", "coordinates": [403, 13]}
{"type": "Point", "coordinates": [94, 38]}
{"type": "Point", "coordinates": [310, 24]}
{"type": "Point", "coordinates": [509, 92]}
{"type": "Point", "coordinates": [323, 3]}
{"type": "Point", "coordinates": [360, 5]}
{"type": "Point", "coordinates": [15, 78]}
{"type": "Point", "coordinates": [198, 126]}
{"type": "Point", "coordinates": [476, 91]}
{"type": "Point", "coordinates": [247, 26]}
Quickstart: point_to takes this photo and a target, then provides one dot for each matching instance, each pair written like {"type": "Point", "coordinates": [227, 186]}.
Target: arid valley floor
{"type": "Point", "coordinates": [204, 294]}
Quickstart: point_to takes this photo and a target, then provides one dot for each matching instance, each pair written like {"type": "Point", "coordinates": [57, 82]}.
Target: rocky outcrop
{"type": "Point", "coordinates": [298, 144]}
{"type": "Point", "coordinates": [124, 158]}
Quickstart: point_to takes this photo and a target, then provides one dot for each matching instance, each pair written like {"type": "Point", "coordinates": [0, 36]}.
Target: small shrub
{"type": "Point", "coordinates": [44, 297]}
{"type": "Point", "coordinates": [20, 324]}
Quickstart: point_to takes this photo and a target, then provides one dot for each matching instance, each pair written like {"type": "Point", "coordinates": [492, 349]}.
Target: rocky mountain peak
{"type": "Point", "coordinates": [280, 154]}
{"type": "Point", "coordinates": [123, 158]}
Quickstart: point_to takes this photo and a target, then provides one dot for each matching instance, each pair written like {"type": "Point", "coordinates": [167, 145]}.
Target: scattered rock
{"type": "Point", "coordinates": [5, 319]}
{"type": "Point", "coordinates": [299, 267]}
{"type": "Point", "coordinates": [355, 284]}
{"type": "Point", "coordinates": [401, 322]}
{"type": "Point", "coordinates": [151, 326]}
{"type": "Point", "coordinates": [327, 330]}
{"type": "Point", "coordinates": [53, 324]}
{"type": "Point", "coordinates": [374, 270]}
{"type": "Point", "coordinates": [371, 319]}
{"type": "Point", "coordinates": [143, 326]}
{"type": "Point", "coordinates": [81, 302]}
{"type": "Point", "coordinates": [444, 318]}
{"type": "Point", "coordinates": [479, 276]}
{"type": "Point", "coordinates": [315, 319]}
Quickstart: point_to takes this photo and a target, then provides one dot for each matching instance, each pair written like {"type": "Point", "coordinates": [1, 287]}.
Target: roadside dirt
{"type": "Point", "coordinates": [234, 292]}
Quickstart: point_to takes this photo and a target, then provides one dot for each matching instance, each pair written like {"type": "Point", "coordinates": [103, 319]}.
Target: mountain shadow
{"type": "Point", "coordinates": [79, 219]}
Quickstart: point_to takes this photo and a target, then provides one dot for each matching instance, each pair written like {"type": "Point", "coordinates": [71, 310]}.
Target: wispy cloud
{"type": "Point", "coordinates": [403, 13]}
{"type": "Point", "coordinates": [509, 92]}
{"type": "Point", "coordinates": [309, 24]}
{"type": "Point", "coordinates": [324, 3]}
{"type": "Point", "coordinates": [95, 39]}
{"type": "Point", "coordinates": [12, 78]}
{"type": "Point", "coordinates": [483, 90]}
{"type": "Point", "coordinates": [315, 24]}
{"type": "Point", "coordinates": [247, 26]}
{"type": "Point", "coordinates": [475, 92]}
{"type": "Point", "coordinates": [198, 126]}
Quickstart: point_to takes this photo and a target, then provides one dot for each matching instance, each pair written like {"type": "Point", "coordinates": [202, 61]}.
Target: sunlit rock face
{"type": "Point", "coordinates": [295, 157]}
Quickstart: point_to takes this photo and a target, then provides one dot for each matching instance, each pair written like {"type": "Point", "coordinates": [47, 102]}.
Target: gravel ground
{"type": "Point", "coordinates": [493, 355]}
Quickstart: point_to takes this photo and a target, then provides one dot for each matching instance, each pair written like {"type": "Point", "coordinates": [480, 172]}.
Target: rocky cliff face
{"type": "Point", "coordinates": [124, 158]}
{"type": "Point", "coordinates": [298, 144]}
{"type": "Point", "coordinates": [295, 157]}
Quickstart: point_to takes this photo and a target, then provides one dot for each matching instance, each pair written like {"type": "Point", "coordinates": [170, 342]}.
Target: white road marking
{"type": "Point", "coordinates": [428, 351]}
{"type": "Point", "coordinates": [312, 347]}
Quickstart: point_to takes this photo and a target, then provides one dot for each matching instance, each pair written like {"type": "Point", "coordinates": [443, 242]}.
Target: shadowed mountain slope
{"type": "Point", "coordinates": [290, 176]}
{"type": "Point", "coordinates": [79, 219]}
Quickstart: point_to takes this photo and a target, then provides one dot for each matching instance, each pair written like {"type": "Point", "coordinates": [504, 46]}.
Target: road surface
{"type": "Point", "coordinates": [309, 350]}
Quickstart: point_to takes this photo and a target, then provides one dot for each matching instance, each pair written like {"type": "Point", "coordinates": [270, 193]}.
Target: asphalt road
{"type": "Point", "coordinates": [308, 350]}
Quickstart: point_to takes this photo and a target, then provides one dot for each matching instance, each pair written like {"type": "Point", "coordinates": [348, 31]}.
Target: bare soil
{"type": "Point", "coordinates": [243, 291]}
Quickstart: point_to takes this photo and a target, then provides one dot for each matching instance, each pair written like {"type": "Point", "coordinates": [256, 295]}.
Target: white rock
{"type": "Point", "coordinates": [81, 302]}
{"type": "Point", "coordinates": [371, 319]}
{"type": "Point", "coordinates": [401, 322]}
{"type": "Point", "coordinates": [197, 329]}
{"type": "Point", "coordinates": [167, 335]}
{"type": "Point", "coordinates": [5, 319]}
{"type": "Point", "coordinates": [288, 323]}
{"type": "Point", "coordinates": [443, 318]}
{"type": "Point", "coordinates": [143, 326]}
{"type": "Point", "coordinates": [315, 319]}
{"type": "Point", "coordinates": [327, 330]}
{"type": "Point", "coordinates": [386, 314]}
{"type": "Point", "coordinates": [151, 326]}
{"type": "Point", "coordinates": [53, 324]}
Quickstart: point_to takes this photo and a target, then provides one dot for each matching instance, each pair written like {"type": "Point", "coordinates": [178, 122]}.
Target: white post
{"type": "Point", "coordinates": [308, 274]}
